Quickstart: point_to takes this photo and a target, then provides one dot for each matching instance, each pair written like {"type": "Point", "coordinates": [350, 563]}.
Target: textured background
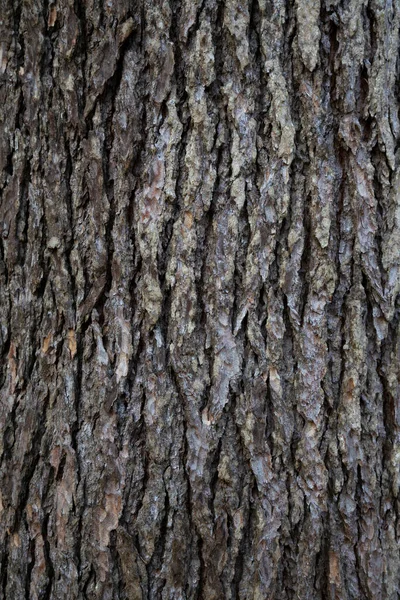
{"type": "Point", "coordinates": [199, 299]}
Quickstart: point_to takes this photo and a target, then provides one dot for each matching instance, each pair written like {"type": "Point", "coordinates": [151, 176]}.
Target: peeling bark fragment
{"type": "Point", "coordinates": [308, 15]}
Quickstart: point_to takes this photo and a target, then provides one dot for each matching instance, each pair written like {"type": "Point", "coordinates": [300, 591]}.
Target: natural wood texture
{"type": "Point", "coordinates": [199, 300]}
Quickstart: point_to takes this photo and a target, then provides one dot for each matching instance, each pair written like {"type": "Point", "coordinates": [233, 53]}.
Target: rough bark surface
{"type": "Point", "coordinates": [199, 300]}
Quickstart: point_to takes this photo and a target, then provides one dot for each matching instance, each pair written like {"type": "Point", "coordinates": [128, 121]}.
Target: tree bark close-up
{"type": "Point", "coordinates": [199, 300]}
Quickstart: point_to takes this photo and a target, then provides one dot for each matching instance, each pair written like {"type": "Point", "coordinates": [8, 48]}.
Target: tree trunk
{"type": "Point", "coordinates": [200, 255]}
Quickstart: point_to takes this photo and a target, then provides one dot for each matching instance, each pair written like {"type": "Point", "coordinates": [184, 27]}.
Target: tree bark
{"type": "Point", "coordinates": [200, 254]}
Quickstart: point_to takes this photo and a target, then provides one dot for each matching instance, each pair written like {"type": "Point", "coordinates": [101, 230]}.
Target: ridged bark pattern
{"type": "Point", "coordinates": [199, 299]}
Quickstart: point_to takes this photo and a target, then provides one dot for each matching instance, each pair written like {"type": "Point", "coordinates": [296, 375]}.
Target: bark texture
{"type": "Point", "coordinates": [199, 299]}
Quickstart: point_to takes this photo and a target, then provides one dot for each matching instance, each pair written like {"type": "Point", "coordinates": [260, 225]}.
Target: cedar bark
{"type": "Point", "coordinates": [199, 299]}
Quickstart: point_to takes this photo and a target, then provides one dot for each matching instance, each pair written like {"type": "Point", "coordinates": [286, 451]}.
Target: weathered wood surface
{"type": "Point", "coordinates": [199, 299]}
